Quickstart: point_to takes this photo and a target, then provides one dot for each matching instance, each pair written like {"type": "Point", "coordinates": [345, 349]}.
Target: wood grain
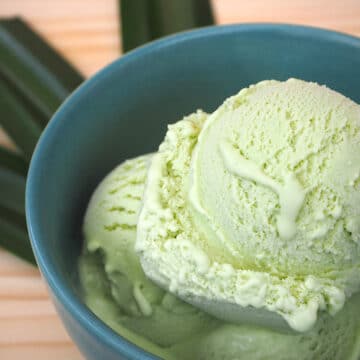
{"type": "Point", "coordinates": [87, 33]}
{"type": "Point", "coordinates": [336, 15]}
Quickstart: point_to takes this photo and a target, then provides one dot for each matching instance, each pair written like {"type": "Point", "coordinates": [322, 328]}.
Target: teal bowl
{"type": "Point", "coordinates": [123, 111]}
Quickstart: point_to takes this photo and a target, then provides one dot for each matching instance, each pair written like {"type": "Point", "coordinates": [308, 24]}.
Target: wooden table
{"type": "Point", "coordinates": [87, 33]}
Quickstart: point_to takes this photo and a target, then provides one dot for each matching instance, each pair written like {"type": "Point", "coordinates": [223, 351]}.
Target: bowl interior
{"type": "Point", "coordinates": [124, 110]}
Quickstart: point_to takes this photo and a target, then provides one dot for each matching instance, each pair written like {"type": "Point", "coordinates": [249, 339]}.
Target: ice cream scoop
{"type": "Point", "coordinates": [116, 289]}
{"type": "Point", "coordinates": [109, 227]}
{"type": "Point", "coordinates": [115, 286]}
{"type": "Point", "coordinates": [252, 214]}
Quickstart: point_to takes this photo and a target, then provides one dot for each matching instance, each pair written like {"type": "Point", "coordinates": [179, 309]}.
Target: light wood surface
{"type": "Point", "coordinates": [87, 33]}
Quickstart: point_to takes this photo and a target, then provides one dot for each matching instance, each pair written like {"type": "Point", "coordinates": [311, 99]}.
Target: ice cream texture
{"type": "Point", "coordinates": [117, 291]}
{"type": "Point", "coordinates": [252, 213]}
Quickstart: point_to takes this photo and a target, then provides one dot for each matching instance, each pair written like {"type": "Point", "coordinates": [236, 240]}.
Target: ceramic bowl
{"type": "Point", "coordinates": [123, 111]}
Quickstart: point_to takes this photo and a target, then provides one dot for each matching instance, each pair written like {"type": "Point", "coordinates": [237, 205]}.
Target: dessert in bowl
{"type": "Point", "coordinates": [123, 111]}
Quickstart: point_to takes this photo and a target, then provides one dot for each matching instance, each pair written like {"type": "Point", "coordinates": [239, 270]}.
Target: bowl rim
{"type": "Point", "coordinates": [54, 280]}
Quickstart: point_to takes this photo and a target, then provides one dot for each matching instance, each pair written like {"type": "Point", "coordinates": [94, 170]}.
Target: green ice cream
{"type": "Point", "coordinates": [118, 292]}
{"type": "Point", "coordinates": [116, 288]}
{"type": "Point", "coordinates": [252, 213]}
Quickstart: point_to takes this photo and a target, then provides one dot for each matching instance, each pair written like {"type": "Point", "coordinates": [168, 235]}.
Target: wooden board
{"type": "Point", "coordinates": [87, 33]}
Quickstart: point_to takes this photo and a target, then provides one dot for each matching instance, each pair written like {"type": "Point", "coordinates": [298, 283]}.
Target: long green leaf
{"type": "Point", "coordinates": [16, 240]}
{"type": "Point", "coordinates": [203, 12]}
{"type": "Point", "coordinates": [38, 116]}
{"type": "Point", "coordinates": [135, 24]}
{"type": "Point", "coordinates": [34, 81]}
{"type": "Point", "coordinates": [13, 217]}
{"type": "Point", "coordinates": [145, 20]}
{"type": "Point", "coordinates": [35, 68]}
{"type": "Point", "coordinates": [12, 188]}
{"type": "Point", "coordinates": [17, 120]}
{"type": "Point", "coordinates": [12, 161]}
